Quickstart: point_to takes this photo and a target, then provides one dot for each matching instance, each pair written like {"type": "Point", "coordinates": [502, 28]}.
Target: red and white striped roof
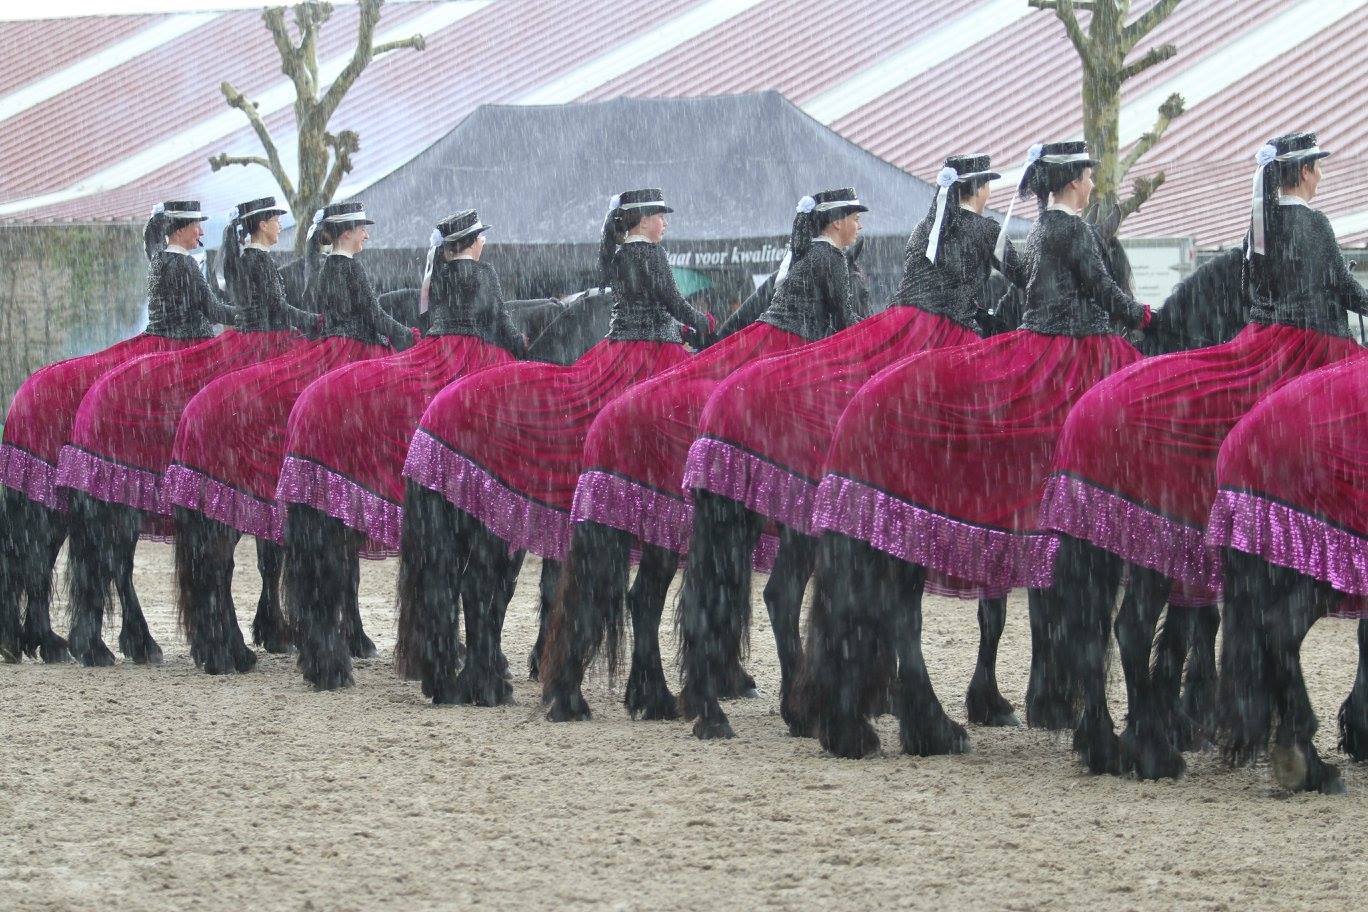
{"type": "Point", "coordinates": [101, 117]}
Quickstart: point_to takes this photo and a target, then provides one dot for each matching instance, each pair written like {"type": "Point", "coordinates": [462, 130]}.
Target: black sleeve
{"type": "Point", "coordinates": [1013, 266]}
{"type": "Point", "coordinates": [664, 291]}
{"type": "Point", "coordinates": [381, 322]}
{"type": "Point", "coordinates": [205, 300]}
{"type": "Point", "coordinates": [263, 281]}
{"type": "Point", "coordinates": [1097, 283]}
{"type": "Point", "coordinates": [1346, 289]}
{"type": "Point", "coordinates": [491, 311]}
{"type": "Point", "coordinates": [833, 286]}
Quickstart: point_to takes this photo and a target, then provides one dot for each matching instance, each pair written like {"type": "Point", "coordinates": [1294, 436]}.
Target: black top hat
{"type": "Point", "coordinates": [647, 202]}
{"type": "Point", "coordinates": [264, 206]}
{"type": "Point", "coordinates": [345, 214]}
{"type": "Point", "coordinates": [841, 202]}
{"type": "Point", "coordinates": [969, 167]}
{"type": "Point", "coordinates": [181, 210]}
{"type": "Point", "coordinates": [1298, 147]}
{"type": "Point", "coordinates": [463, 224]}
{"type": "Point", "coordinates": [1074, 152]}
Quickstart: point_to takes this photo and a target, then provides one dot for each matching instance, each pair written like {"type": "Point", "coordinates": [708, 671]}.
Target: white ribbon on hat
{"type": "Point", "coordinates": [945, 179]}
{"type": "Point", "coordinates": [1032, 156]}
{"type": "Point", "coordinates": [434, 244]}
{"type": "Point", "coordinates": [313, 224]}
{"type": "Point", "coordinates": [807, 204]}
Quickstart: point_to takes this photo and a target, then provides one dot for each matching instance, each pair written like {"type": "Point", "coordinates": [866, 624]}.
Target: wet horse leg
{"type": "Point", "coordinates": [269, 630]}
{"type": "Point", "coordinates": [1297, 765]}
{"type": "Point", "coordinates": [547, 584]}
{"type": "Point", "coordinates": [358, 644]}
{"type": "Point", "coordinates": [1087, 578]}
{"type": "Point", "coordinates": [135, 639]}
{"type": "Point", "coordinates": [1146, 744]}
{"type": "Point", "coordinates": [924, 729]}
{"type": "Point", "coordinates": [37, 557]}
{"type": "Point", "coordinates": [507, 586]}
{"type": "Point", "coordinates": [1353, 714]}
{"type": "Point", "coordinates": [784, 600]}
{"type": "Point", "coordinates": [1198, 701]}
{"type": "Point", "coordinates": [984, 702]}
{"type": "Point", "coordinates": [479, 681]}
{"type": "Point", "coordinates": [648, 695]}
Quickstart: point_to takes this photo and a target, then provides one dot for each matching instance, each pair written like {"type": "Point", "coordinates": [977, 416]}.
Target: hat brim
{"type": "Point", "coordinates": [847, 210]}
{"type": "Point", "coordinates": [650, 210]}
{"type": "Point", "coordinates": [470, 232]}
{"type": "Point", "coordinates": [344, 224]}
{"type": "Point", "coordinates": [978, 175]}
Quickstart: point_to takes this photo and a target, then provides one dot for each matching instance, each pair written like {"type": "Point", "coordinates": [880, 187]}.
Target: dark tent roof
{"type": "Point", "coordinates": [732, 166]}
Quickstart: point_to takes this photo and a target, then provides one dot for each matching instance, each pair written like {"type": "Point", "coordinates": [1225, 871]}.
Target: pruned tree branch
{"type": "Point", "coordinates": [1064, 11]}
{"type": "Point", "coordinates": [344, 145]}
{"type": "Point", "coordinates": [1147, 22]}
{"type": "Point", "coordinates": [237, 100]}
{"type": "Point", "coordinates": [1151, 57]}
{"type": "Point", "coordinates": [1172, 107]}
{"type": "Point", "coordinates": [223, 160]}
{"type": "Point", "coordinates": [1141, 190]}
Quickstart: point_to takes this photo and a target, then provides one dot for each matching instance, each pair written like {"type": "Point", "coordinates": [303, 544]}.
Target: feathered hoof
{"type": "Point", "coordinates": [11, 653]}
{"type": "Point", "coordinates": [568, 706]}
{"type": "Point", "coordinates": [1353, 729]}
{"type": "Point", "coordinates": [1050, 713]}
{"type": "Point", "coordinates": [1189, 735]}
{"type": "Point", "coordinates": [650, 700]}
{"type": "Point", "coordinates": [713, 728]}
{"type": "Point", "coordinates": [854, 739]}
{"type": "Point", "coordinates": [268, 632]}
{"type": "Point", "coordinates": [327, 667]}
{"type": "Point", "coordinates": [938, 737]}
{"type": "Point", "coordinates": [139, 647]}
{"type": "Point", "coordinates": [798, 717]}
{"type": "Point", "coordinates": [985, 705]}
{"type": "Point", "coordinates": [95, 655]}
{"type": "Point", "coordinates": [1298, 768]}
{"type": "Point", "coordinates": [533, 666]}
{"type": "Point", "coordinates": [52, 649]}
{"type": "Point", "coordinates": [1146, 750]}
{"type": "Point", "coordinates": [220, 661]}
{"type": "Point", "coordinates": [360, 646]}
{"type": "Point", "coordinates": [1098, 747]}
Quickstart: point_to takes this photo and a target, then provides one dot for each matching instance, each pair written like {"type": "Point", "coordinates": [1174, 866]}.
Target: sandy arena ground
{"type": "Point", "coordinates": [163, 788]}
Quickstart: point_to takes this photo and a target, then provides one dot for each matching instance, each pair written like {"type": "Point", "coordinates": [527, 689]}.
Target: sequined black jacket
{"type": "Point", "coordinates": [1304, 280]}
{"type": "Point", "coordinates": [646, 302]}
{"type": "Point", "coordinates": [1070, 291]}
{"type": "Point", "coordinates": [954, 285]}
{"type": "Point", "coordinates": [259, 293]}
{"type": "Point", "coordinates": [350, 306]}
{"type": "Point", "coordinates": [179, 302]}
{"type": "Point", "coordinates": [465, 299]}
{"type": "Point", "coordinates": [815, 298]}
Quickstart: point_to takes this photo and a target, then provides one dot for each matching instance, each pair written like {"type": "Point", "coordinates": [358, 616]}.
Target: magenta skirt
{"type": "Point", "coordinates": [349, 432]}
{"type": "Point", "coordinates": [1135, 470]}
{"type": "Point", "coordinates": [506, 445]}
{"type": "Point", "coordinates": [39, 421]}
{"type": "Point", "coordinates": [230, 442]}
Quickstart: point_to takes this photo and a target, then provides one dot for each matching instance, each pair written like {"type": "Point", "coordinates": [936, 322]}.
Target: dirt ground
{"type": "Point", "coordinates": [163, 788]}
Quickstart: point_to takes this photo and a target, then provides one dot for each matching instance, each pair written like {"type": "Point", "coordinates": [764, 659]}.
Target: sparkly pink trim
{"type": "Point", "coordinates": [650, 515]}
{"type": "Point", "coordinates": [380, 520]}
{"type": "Point", "coordinates": [111, 481]}
{"type": "Point", "coordinates": [764, 487]}
{"type": "Point", "coordinates": [1288, 537]}
{"type": "Point", "coordinates": [1133, 533]}
{"type": "Point", "coordinates": [35, 478]}
{"type": "Point", "coordinates": [193, 490]}
{"type": "Point", "coordinates": [993, 558]}
{"type": "Point", "coordinates": [517, 519]}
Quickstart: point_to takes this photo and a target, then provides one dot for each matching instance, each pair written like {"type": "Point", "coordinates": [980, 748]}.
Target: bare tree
{"type": "Point", "coordinates": [324, 157]}
{"type": "Point", "coordinates": [1103, 50]}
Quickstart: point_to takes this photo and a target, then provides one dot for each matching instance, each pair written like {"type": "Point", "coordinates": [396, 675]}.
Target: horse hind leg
{"type": "Point", "coordinates": [784, 601]}
{"type": "Point", "coordinates": [984, 703]}
{"type": "Point", "coordinates": [1051, 695]}
{"type": "Point", "coordinates": [547, 585]}
{"type": "Point", "coordinates": [1147, 745]}
{"type": "Point", "coordinates": [923, 727]}
{"type": "Point", "coordinates": [1353, 713]}
{"type": "Point", "coordinates": [480, 681]}
{"type": "Point", "coordinates": [506, 587]}
{"type": "Point", "coordinates": [648, 694]}
{"type": "Point", "coordinates": [1091, 577]}
{"type": "Point", "coordinates": [358, 644]}
{"type": "Point", "coordinates": [1297, 766]}
{"type": "Point", "coordinates": [269, 630]}
{"type": "Point", "coordinates": [318, 587]}
{"type": "Point", "coordinates": [1197, 714]}
{"type": "Point", "coordinates": [93, 562]}
{"type": "Point", "coordinates": [135, 639]}
{"type": "Point", "coordinates": [36, 552]}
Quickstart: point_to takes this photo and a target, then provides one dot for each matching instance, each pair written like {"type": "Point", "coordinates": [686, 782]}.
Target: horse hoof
{"type": "Point", "coordinates": [533, 666]}
{"type": "Point", "coordinates": [569, 707]}
{"type": "Point", "coordinates": [274, 644]}
{"type": "Point", "coordinates": [52, 649]}
{"type": "Point", "coordinates": [97, 656]}
{"type": "Point", "coordinates": [143, 651]}
{"type": "Point", "coordinates": [986, 706]}
{"type": "Point", "coordinates": [1051, 715]}
{"type": "Point", "coordinates": [651, 702]}
{"type": "Point", "coordinates": [739, 685]}
{"type": "Point", "coordinates": [800, 723]}
{"type": "Point", "coordinates": [244, 660]}
{"type": "Point", "coordinates": [331, 679]}
{"type": "Point", "coordinates": [942, 737]}
{"type": "Point", "coordinates": [362, 648]}
{"type": "Point", "coordinates": [1151, 757]}
{"type": "Point", "coordinates": [853, 740]}
{"type": "Point", "coordinates": [1099, 748]}
{"type": "Point", "coordinates": [712, 729]}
